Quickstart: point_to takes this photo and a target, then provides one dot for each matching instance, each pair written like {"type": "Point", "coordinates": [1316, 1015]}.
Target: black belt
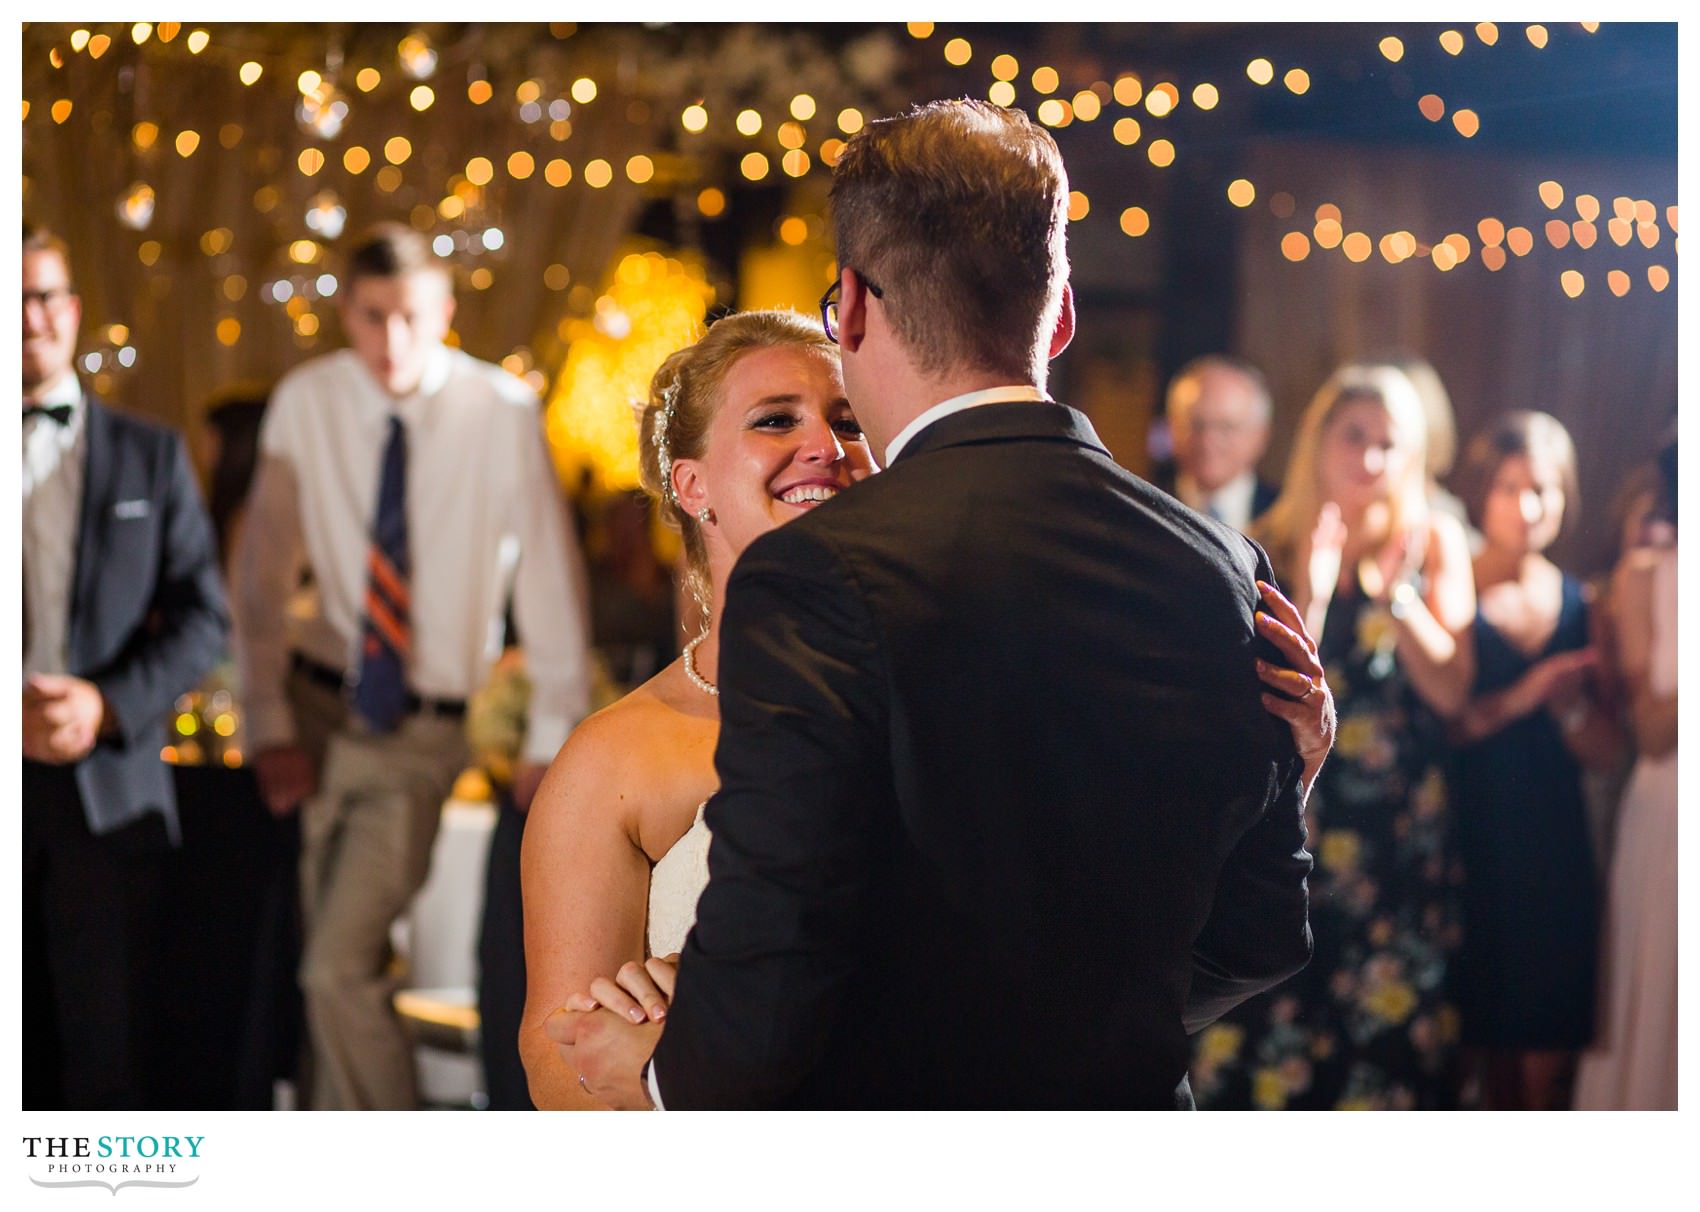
{"type": "Point", "coordinates": [332, 679]}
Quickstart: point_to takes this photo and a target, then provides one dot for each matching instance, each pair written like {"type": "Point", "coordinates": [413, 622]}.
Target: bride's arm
{"type": "Point", "coordinates": [586, 887]}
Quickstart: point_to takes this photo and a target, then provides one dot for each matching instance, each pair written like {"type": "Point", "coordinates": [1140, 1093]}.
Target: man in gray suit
{"type": "Point", "coordinates": [122, 612]}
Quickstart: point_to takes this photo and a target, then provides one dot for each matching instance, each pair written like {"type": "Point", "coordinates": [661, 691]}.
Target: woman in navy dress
{"type": "Point", "coordinates": [1526, 972]}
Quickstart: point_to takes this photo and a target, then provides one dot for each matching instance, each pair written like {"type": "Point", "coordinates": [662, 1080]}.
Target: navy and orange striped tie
{"type": "Point", "coordinates": [386, 631]}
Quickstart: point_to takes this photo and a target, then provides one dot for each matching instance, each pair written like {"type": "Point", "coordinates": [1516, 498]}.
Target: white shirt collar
{"type": "Point", "coordinates": [973, 399]}
{"type": "Point", "coordinates": [1232, 502]}
{"type": "Point", "coordinates": [68, 390]}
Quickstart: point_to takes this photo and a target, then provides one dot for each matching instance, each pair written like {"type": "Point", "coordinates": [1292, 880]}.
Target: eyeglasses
{"type": "Point", "coordinates": [829, 304]}
{"type": "Point", "coordinates": [47, 300]}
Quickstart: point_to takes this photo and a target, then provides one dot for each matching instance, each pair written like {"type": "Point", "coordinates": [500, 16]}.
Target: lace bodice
{"type": "Point", "coordinates": [674, 886]}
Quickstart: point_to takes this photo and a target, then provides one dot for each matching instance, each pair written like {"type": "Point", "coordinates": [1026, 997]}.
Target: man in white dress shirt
{"type": "Point", "coordinates": [122, 612]}
{"type": "Point", "coordinates": [481, 517]}
{"type": "Point", "coordinates": [1218, 411]}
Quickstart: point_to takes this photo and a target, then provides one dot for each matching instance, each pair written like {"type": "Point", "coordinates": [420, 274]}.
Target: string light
{"type": "Point", "coordinates": [1005, 67]}
{"type": "Point", "coordinates": [1658, 277]}
{"type": "Point", "coordinates": [1127, 131]}
{"type": "Point", "coordinates": [1466, 122]}
{"type": "Point", "coordinates": [1392, 49]}
{"type": "Point", "coordinates": [249, 72]}
{"type": "Point", "coordinates": [920, 29]}
{"type": "Point", "coordinates": [1297, 81]}
{"type": "Point", "coordinates": [1488, 32]}
{"type": "Point", "coordinates": [1537, 35]}
{"type": "Point", "coordinates": [802, 107]}
{"type": "Point", "coordinates": [1242, 193]}
{"type": "Point", "coordinates": [1431, 107]}
{"type": "Point", "coordinates": [1587, 207]}
{"type": "Point", "coordinates": [1135, 222]}
{"type": "Point", "coordinates": [1204, 96]}
{"type": "Point", "coordinates": [957, 52]}
{"type": "Point", "coordinates": [850, 120]}
{"type": "Point", "coordinates": [1572, 282]}
{"type": "Point", "coordinates": [368, 78]}
{"type": "Point", "coordinates": [1558, 233]}
{"type": "Point", "coordinates": [1452, 42]}
{"type": "Point", "coordinates": [1160, 101]}
{"type": "Point", "coordinates": [1584, 233]}
{"type": "Point", "coordinates": [557, 172]}
{"type": "Point", "coordinates": [1260, 71]}
{"type": "Point", "coordinates": [1087, 107]}
{"type": "Point", "coordinates": [197, 41]}
{"type": "Point", "coordinates": [1045, 80]}
{"type": "Point", "coordinates": [1161, 153]}
{"type": "Point", "coordinates": [397, 149]}
{"type": "Point", "coordinates": [598, 174]}
{"type": "Point", "coordinates": [187, 141]}
{"type": "Point", "coordinates": [748, 122]}
{"type": "Point", "coordinates": [1551, 194]}
{"type": "Point", "coordinates": [1079, 206]}
{"type": "Point", "coordinates": [1357, 247]}
{"type": "Point", "coordinates": [584, 90]}
{"type": "Point", "coordinates": [422, 97]}
{"type": "Point", "coordinates": [640, 170]}
{"type": "Point", "coordinates": [1520, 240]}
{"type": "Point", "coordinates": [1127, 90]}
{"type": "Point", "coordinates": [521, 165]}
{"type": "Point", "coordinates": [1618, 282]}
{"type": "Point", "coordinates": [694, 119]}
{"type": "Point", "coordinates": [1001, 92]}
{"type": "Point", "coordinates": [1295, 246]}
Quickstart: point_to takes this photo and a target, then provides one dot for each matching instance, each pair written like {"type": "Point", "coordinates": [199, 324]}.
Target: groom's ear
{"type": "Point", "coordinates": [853, 299]}
{"type": "Point", "coordinates": [1063, 333]}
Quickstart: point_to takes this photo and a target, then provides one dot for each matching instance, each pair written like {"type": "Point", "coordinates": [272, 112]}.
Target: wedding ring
{"type": "Point", "coordinates": [1314, 687]}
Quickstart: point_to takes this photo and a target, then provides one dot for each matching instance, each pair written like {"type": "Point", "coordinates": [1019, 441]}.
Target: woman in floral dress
{"type": "Point", "coordinates": [1386, 585]}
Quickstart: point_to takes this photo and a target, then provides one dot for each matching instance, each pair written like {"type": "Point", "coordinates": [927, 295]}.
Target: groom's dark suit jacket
{"type": "Point", "coordinates": [1001, 818]}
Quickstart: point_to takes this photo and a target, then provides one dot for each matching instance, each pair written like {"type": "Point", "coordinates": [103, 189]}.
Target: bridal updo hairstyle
{"type": "Point", "coordinates": [694, 376]}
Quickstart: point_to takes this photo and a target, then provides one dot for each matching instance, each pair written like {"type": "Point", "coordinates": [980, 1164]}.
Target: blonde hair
{"type": "Point", "coordinates": [1284, 530]}
{"type": "Point", "coordinates": [684, 395]}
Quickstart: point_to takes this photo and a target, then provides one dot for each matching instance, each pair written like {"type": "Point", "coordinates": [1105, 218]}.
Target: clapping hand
{"type": "Point", "coordinates": [1556, 681]}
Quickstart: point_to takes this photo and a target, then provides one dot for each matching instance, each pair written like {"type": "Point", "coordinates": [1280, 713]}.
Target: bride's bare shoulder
{"type": "Point", "coordinates": [635, 751]}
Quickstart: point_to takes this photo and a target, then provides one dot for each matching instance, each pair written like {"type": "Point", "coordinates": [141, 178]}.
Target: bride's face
{"type": "Point", "coordinates": [783, 441]}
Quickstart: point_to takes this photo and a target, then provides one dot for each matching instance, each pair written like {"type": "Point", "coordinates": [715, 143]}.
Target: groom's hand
{"type": "Point", "coordinates": [608, 1052]}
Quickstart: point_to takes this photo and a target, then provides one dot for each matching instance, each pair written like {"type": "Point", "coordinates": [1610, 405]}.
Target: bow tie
{"type": "Point", "coordinates": [56, 412]}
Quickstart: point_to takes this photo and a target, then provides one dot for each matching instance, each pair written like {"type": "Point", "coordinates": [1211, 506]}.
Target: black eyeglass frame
{"type": "Point", "coordinates": [829, 303]}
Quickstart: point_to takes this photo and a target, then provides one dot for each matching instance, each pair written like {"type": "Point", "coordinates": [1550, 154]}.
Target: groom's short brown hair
{"type": "Point", "coordinates": [957, 211]}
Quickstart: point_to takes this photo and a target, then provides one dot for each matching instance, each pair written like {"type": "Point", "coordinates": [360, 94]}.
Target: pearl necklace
{"type": "Point", "coordinates": [697, 680]}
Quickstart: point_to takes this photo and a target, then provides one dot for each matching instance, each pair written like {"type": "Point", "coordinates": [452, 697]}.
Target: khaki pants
{"type": "Point", "coordinates": [366, 840]}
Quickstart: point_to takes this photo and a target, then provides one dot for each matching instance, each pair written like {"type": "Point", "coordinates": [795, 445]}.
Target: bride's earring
{"type": "Point", "coordinates": [705, 515]}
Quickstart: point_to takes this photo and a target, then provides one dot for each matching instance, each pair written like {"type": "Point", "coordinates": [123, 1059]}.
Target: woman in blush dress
{"type": "Point", "coordinates": [1632, 1065]}
{"type": "Point", "coordinates": [1384, 584]}
{"type": "Point", "coordinates": [1525, 973]}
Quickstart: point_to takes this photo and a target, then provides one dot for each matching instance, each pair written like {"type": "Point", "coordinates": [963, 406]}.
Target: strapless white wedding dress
{"type": "Point", "coordinates": [675, 883]}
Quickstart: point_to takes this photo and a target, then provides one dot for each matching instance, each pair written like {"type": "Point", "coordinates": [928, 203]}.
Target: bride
{"type": "Point", "coordinates": [743, 431]}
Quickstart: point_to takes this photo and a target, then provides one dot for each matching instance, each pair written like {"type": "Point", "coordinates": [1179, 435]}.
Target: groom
{"type": "Point", "coordinates": [1001, 817]}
